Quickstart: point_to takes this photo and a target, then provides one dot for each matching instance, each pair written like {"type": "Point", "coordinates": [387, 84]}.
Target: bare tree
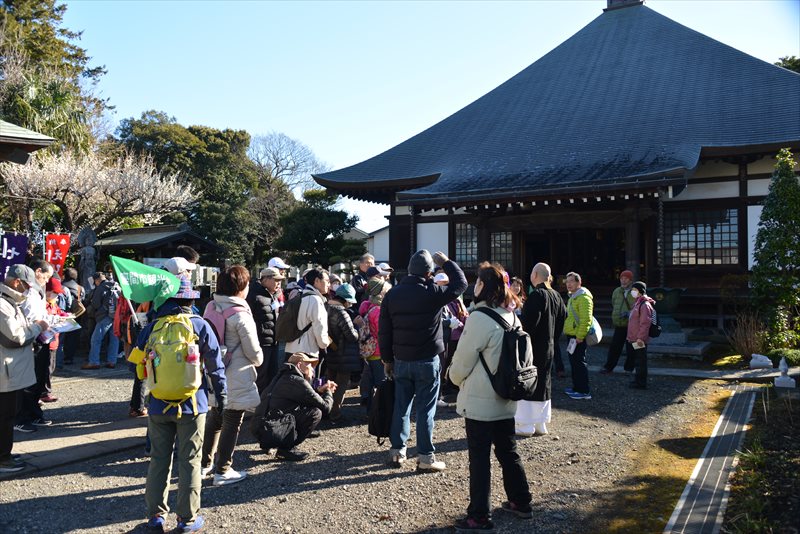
{"type": "Point", "coordinates": [90, 192]}
{"type": "Point", "coordinates": [280, 157]}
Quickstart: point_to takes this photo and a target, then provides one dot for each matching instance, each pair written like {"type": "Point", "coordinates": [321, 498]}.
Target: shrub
{"type": "Point", "coordinates": [792, 356]}
{"type": "Point", "coordinates": [747, 336]}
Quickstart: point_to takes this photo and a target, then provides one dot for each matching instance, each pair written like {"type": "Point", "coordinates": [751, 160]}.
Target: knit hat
{"type": "Point", "coordinates": [641, 286]}
{"type": "Point", "coordinates": [626, 274]}
{"type": "Point", "coordinates": [376, 289]}
{"type": "Point", "coordinates": [421, 263]}
{"type": "Point", "coordinates": [54, 285]}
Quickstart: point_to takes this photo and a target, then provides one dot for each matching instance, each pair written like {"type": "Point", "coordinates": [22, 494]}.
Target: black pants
{"type": "Point", "coordinates": [28, 409]}
{"type": "Point", "coordinates": [269, 368]}
{"type": "Point", "coordinates": [138, 394]}
{"type": "Point", "coordinates": [44, 364]}
{"type": "Point", "coordinates": [557, 360]}
{"type": "Point", "coordinates": [306, 420]}
{"type": "Point", "coordinates": [8, 410]}
{"type": "Point", "coordinates": [71, 341]}
{"type": "Point", "coordinates": [580, 373]}
{"type": "Point", "coordinates": [615, 350]}
{"type": "Point", "coordinates": [480, 437]}
{"type": "Point", "coordinates": [640, 361]}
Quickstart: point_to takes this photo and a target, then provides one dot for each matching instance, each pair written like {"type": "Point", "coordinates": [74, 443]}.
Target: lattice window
{"type": "Point", "coordinates": [501, 250]}
{"type": "Point", "coordinates": [709, 237]}
{"type": "Point", "coordinates": [466, 245]}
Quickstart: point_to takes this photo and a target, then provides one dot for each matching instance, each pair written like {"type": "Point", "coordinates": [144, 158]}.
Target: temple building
{"type": "Point", "coordinates": [637, 143]}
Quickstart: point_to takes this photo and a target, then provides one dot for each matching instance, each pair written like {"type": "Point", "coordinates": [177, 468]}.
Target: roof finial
{"type": "Point", "coordinates": [619, 4]}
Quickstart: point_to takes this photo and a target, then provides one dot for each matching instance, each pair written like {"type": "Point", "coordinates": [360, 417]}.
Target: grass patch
{"type": "Point", "coordinates": [765, 489]}
{"type": "Point", "coordinates": [644, 500]}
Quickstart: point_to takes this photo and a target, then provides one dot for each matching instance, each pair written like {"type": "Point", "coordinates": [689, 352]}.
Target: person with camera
{"type": "Point", "coordinates": [292, 393]}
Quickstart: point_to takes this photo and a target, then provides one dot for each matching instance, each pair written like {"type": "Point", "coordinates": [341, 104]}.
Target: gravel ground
{"type": "Point", "coordinates": [344, 486]}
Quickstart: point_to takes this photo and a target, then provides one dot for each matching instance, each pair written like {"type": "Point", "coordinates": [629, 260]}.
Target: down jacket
{"type": "Point", "coordinates": [17, 370]}
{"type": "Point", "coordinates": [641, 319]}
{"type": "Point", "coordinates": [312, 310]}
{"type": "Point", "coordinates": [476, 397]}
{"type": "Point", "coordinates": [261, 304]}
{"type": "Point", "coordinates": [621, 304]}
{"type": "Point", "coordinates": [579, 314]}
{"type": "Point", "coordinates": [243, 356]}
{"type": "Point", "coordinates": [346, 356]}
{"type": "Point", "coordinates": [287, 392]}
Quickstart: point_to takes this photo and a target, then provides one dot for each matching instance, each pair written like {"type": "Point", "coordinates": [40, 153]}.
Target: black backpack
{"type": "Point", "coordinates": [516, 375]}
{"type": "Point", "coordinates": [286, 326]}
{"type": "Point", "coordinates": [655, 325]}
{"type": "Point", "coordinates": [381, 410]}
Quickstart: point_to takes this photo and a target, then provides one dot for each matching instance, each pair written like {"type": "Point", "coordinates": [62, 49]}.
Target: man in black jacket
{"type": "Point", "coordinates": [410, 339]}
{"type": "Point", "coordinates": [360, 279]}
{"type": "Point", "coordinates": [291, 392]}
{"type": "Point", "coordinates": [264, 301]}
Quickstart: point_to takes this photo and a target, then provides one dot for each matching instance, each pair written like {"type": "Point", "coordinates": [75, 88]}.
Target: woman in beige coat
{"type": "Point", "coordinates": [489, 419]}
{"type": "Point", "coordinates": [243, 356]}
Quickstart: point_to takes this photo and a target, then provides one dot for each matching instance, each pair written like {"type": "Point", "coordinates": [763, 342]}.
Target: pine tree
{"type": "Point", "coordinates": [776, 273]}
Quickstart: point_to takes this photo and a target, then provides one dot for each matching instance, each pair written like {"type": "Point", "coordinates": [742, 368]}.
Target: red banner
{"type": "Point", "coordinates": [56, 250]}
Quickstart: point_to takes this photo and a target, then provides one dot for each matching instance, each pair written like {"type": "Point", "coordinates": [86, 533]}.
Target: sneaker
{"type": "Point", "coordinates": [41, 421]}
{"type": "Point", "coordinates": [520, 510]}
{"type": "Point", "coordinates": [396, 458]}
{"type": "Point", "coordinates": [191, 526]}
{"type": "Point", "coordinates": [575, 395]}
{"type": "Point", "coordinates": [11, 466]}
{"type": "Point", "coordinates": [604, 371]}
{"type": "Point", "coordinates": [431, 467]}
{"type": "Point", "coordinates": [205, 472]}
{"type": "Point", "coordinates": [469, 524]}
{"type": "Point", "coordinates": [540, 429]}
{"type": "Point", "coordinates": [229, 477]}
{"type": "Point", "coordinates": [156, 524]}
{"type": "Point", "coordinates": [291, 455]}
{"type": "Point", "coordinates": [569, 391]}
{"type": "Point", "coordinates": [25, 427]}
{"type": "Point", "coordinates": [48, 398]}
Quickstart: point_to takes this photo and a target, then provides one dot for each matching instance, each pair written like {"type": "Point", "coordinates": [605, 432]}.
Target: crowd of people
{"type": "Point", "coordinates": [264, 349]}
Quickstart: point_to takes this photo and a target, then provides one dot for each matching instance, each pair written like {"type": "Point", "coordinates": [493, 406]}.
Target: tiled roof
{"type": "Point", "coordinates": [629, 101]}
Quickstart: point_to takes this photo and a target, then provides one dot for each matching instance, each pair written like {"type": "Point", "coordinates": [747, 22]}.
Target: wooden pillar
{"type": "Point", "coordinates": [660, 238]}
{"type": "Point", "coordinates": [412, 236]}
{"type": "Point", "coordinates": [632, 251]}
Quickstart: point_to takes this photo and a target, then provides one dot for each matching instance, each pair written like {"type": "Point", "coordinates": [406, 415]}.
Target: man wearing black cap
{"type": "Point", "coordinates": [410, 340]}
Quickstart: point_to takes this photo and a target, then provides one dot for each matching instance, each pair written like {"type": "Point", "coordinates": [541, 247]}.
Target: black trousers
{"type": "Point", "coordinates": [557, 360]}
{"type": "Point", "coordinates": [480, 437]}
{"type": "Point", "coordinates": [44, 364]}
{"type": "Point", "coordinates": [8, 410]}
{"type": "Point", "coordinates": [71, 341]}
{"type": "Point", "coordinates": [269, 367]}
{"type": "Point", "coordinates": [306, 420]}
{"type": "Point", "coordinates": [615, 350]}
{"type": "Point", "coordinates": [580, 373]}
{"type": "Point", "coordinates": [640, 361]}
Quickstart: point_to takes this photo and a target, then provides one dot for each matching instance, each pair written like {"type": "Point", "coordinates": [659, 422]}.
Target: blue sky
{"type": "Point", "coordinates": [352, 79]}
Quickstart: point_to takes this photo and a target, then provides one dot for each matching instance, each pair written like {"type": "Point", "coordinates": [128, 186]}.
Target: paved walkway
{"type": "Point", "coordinates": [701, 508]}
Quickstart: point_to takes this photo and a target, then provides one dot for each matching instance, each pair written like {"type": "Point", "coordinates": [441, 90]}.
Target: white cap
{"type": "Point", "coordinates": [177, 265]}
{"type": "Point", "coordinates": [278, 263]}
{"type": "Point", "coordinates": [441, 277]}
{"type": "Point", "coordinates": [386, 268]}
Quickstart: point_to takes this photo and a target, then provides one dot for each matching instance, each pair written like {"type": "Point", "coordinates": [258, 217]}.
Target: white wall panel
{"type": "Point", "coordinates": [433, 236]}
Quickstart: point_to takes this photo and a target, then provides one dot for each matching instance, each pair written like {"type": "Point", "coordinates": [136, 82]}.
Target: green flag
{"type": "Point", "coordinates": [142, 283]}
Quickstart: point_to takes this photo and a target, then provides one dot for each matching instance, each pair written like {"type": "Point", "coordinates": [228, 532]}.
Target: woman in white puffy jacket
{"type": "Point", "coordinates": [489, 419]}
{"type": "Point", "coordinates": [243, 356]}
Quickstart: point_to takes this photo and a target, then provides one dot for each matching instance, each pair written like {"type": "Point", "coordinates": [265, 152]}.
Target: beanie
{"type": "Point", "coordinates": [626, 274]}
{"type": "Point", "coordinates": [641, 286]}
{"type": "Point", "coordinates": [421, 263]}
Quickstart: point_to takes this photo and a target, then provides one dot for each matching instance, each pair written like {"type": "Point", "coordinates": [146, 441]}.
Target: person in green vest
{"type": "Point", "coordinates": [621, 304]}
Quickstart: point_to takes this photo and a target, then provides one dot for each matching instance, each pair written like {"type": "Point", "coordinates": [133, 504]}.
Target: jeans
{"type": "Point", "coordinates": [640, 361]}
{"type": "Point", "coordinates": [372, 375]}
{"type": "Point", "coordinates": [102, 328]}
{"type": "Point", "coordinates": [222, 428]}
{"type": "Point", "coordinates": [162, 430]}
{"type": "Point", "coordinates": [480, 437]}
{"type": "Point", "coordinates": [421, 379]}
{"type": "Point", "coordinates": [580, 373]}
{"type": "Point", "coordinates": [615, 350]}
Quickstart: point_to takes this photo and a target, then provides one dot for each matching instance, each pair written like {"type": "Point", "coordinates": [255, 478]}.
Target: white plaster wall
{"type": "Point", "coordinates": [716, 168]}
{"type": "Point", "coordinates": [433, 236]}
{"type": "Point", "coordinates": [753, 217]}
{"type": "Point", "coordinates": [756, 188]}
{"type": "Point", "coordinates": [707, 191]}
{"type": "Point", "coordinates": [401, 210]}
{"type": "Point", "coordinates": [379, 242]}
{"type": "Point", "coordinates": [763, 166]}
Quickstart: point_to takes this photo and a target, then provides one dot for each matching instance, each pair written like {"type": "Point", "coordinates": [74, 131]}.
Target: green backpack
{"type": "Point", "coordinates": [173, 365]}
